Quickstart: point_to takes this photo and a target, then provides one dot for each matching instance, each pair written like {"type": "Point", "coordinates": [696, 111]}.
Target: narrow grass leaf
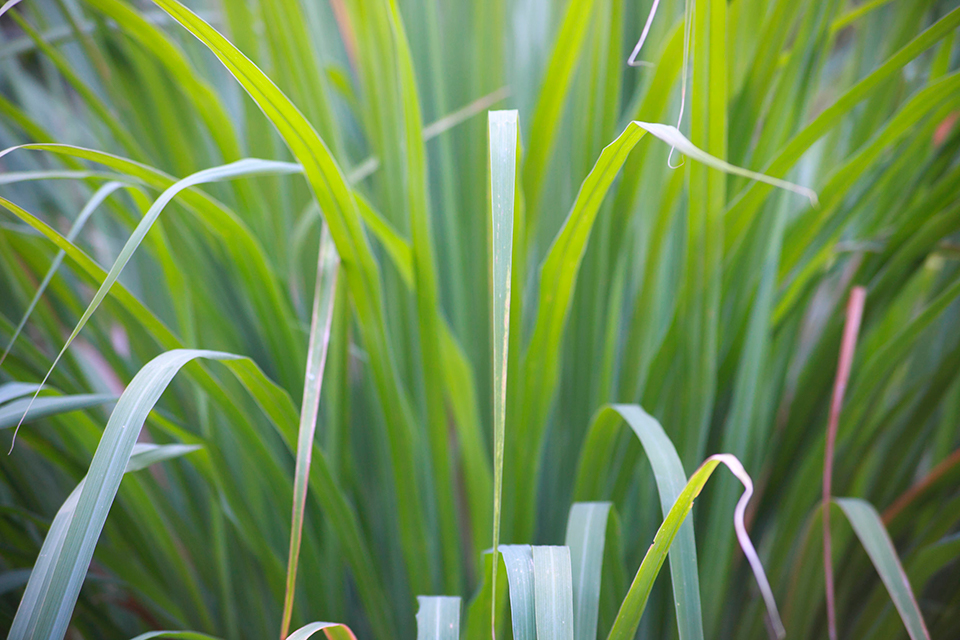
{"type": "Point", "coordinates": [586, 534]}
{"type": "Point", "coordinates": [558, 276]}
{"type": "Point", "coordinates": [848, 347]}
{"type": "Point", "coordinates": [876, 541]}
{"type": "Point", "coordinates": [553, 586]}
{"type": "Point", "coordinates": [672, 136]}
{"type": "Point", "coordinates": [502, 131]}
{"type": "Point", "coordinates": [323, 296]}
{"type": "Point", "coordinates": [340, 211]}
{"type": "Point", "coordinates": [518, 560]}
{"type": "Point", "coordinates": [544, 127]}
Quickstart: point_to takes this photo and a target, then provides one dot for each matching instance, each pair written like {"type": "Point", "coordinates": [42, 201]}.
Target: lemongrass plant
{"type": "Point", "coordinates": [471, 240]}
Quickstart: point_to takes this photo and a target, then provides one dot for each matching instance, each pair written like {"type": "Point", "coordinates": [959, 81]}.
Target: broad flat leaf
{"type": "Point", "coordinates": [586, 533]}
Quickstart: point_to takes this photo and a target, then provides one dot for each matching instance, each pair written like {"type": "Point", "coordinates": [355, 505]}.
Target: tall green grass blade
{"type": "Point", "coordinates": [503, 135]}
{"type": "Point", "coordinates": [873, 536]}
{"type": "Point", "coordinates": [142, 456]}
{"type": "Point", "coordinates": [586, 534]}
{"type": "Point", "coordinates": [323, 296]}
{"type": "Point", "coordinates": [744, 207]}
{"type": "Point", "coordinates": [438, 618]}
{"type": "Point", "coordinates": [553, 588]}
{"type": "Point", "coordinates": [339, 208]}
{"type": "Point", "coordinates": [518, 560]}
{"type": "Point", "coordinates": [428, 302]}
{"type": "Point", "coordinates": [599, 449]}
{"type": "Point", "coordinates": [203, 97]}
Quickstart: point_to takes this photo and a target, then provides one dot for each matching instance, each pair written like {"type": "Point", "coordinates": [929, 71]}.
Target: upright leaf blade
{"type": "Point", "coordinates": [586, 533]}
{"type": "Point", "coordinates": [553, 586]}
{"type": "Point", "coordinates": [438, 618]}
{"type": "Point", "coordinates": [518, 560]}
{"type": "Point", "coordinates": [323, 296]}
{"type": "Point", "coordinates": [503, 132]}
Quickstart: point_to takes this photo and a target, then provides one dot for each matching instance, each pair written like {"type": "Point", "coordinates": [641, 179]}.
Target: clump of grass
{"type": "Point", "coordinates": [469, 311]}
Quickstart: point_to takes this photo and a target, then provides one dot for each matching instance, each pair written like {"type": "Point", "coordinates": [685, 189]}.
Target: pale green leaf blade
{"type": "Point", "coordinates": [503, 131]}
{"type": "Point", "coordinates": [518, 559]}
{"type": "Point", "coordinates": [876, 541]}
{"type": "Point", "coordinates": [31, 608]}
{"type": "Point", "coordinates": [585, 537]}
{"type": "Point", "coordinates": [628, 619]}
{"type": "Point", "coordinates": [333, 631]}
{"type": "Point", "coordinates": [438, 618]}
{"type": "Point", "coordinates": [553, 586]}
{"type": "Point", "coordinates": [13, 390]}
{"type": "Point", "coordinates": [322, 316]}
{"type": "Point", "coordinates": [175, 635]}
{"type": "Point", "coordinates": [145, 454]}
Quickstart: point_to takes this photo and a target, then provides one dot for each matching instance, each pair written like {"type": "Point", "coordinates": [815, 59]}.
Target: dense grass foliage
{"type": "Point", "coordinates": [303, 199]}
